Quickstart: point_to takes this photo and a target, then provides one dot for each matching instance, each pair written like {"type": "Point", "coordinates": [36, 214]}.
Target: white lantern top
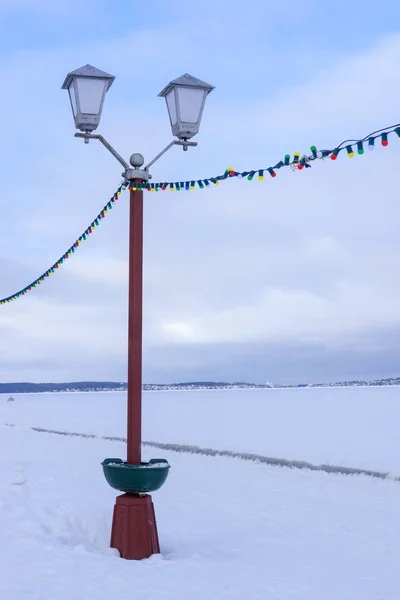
{"type": "Point", "coordinates": [87, 88]}
{"type": "Point", "coordinates": [185, 98]}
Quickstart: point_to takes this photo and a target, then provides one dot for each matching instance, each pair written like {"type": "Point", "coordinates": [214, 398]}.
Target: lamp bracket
{"type": "Point", "coordinates": [135, 173]}
{"type": "Point", "coordinates": [183, 143]}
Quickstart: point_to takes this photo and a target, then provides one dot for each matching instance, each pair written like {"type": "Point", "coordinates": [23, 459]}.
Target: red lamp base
{"type": "Point", "coordinates": [134, 528]}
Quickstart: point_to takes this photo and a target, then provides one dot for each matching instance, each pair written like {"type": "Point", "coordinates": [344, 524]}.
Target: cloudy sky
{"type": "Point", "coordinates": [291, 279]}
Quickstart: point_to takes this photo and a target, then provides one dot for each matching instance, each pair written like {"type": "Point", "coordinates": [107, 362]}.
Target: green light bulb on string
{"type": "Point", "coordinates": [360, 148]}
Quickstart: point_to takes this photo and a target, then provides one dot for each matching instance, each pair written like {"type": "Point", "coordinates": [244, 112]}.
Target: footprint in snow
{"type": "Point", "coordinates": [19, 477]}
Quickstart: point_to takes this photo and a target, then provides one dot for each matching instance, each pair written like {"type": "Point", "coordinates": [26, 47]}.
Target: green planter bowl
{"type": "Point", "coordinates": [136, 479]}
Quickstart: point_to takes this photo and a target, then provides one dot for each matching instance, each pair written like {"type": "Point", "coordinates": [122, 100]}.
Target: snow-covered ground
{"type": "Point", "coordinates": [228, 528]}
{"type": "Point", "coordinates": [354, 427]}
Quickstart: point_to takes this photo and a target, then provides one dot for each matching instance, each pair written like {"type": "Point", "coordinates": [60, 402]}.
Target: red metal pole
{"type": "Point", "coordinates": [135, 308]}
{"type": "Point", "coordinates": [134, 528]}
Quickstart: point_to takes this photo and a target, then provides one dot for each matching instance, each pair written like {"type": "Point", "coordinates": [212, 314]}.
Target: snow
{"type": "Point", "coordinates": [229, 529]}
{"type": "Point", "coordinates": [152, 465]}
{"type": "Point", "coordinates": [354, 427]}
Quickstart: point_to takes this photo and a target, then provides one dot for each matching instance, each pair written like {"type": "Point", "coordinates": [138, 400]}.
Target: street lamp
{"type": "Point", "coordinates": [185, 98]}
{"type": "Point", "coordinates": [134, 529]}
{"type": "Point", "coordinates": [87, 88]}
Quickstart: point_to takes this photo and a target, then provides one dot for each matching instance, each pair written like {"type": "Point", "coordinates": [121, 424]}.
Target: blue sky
{"type": "Point", "coordinates": [291, 279]}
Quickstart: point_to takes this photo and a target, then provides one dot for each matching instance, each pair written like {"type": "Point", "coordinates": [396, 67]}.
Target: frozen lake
{"type": "Point", "coordinates": [355, 427]}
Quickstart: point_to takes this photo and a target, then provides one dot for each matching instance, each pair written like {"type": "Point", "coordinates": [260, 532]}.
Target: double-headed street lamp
{"type": "Point", "coordinates": [134, 530]}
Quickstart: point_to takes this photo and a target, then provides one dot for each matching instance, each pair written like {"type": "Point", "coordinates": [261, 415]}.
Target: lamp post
{"type": "Point", "coordinates": [134, 529]}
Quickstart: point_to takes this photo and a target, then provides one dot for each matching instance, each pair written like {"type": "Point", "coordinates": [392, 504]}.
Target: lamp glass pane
{"type": "Point", "coordinates": [171, 104]}
{"type": "Point", "coordinates": [90, 94]}
{"type": "Point", "coordinates": [71, 91]}
{"type": "Point", "coordinates": [190, 102]}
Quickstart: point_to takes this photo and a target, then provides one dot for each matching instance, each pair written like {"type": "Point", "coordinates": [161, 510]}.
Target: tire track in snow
{"type": "Point", "coordinates": [257, 458]}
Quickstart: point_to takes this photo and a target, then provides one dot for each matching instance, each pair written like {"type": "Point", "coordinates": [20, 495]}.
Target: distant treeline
{"type": "Point", "coordinates": [104, 386]}
{"type": "Point", "coordinates": [81, 386]}
{"type": "Point", "coordinates": [107, 386]}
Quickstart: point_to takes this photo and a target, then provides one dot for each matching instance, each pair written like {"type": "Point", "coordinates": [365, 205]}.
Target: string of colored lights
{"type": "Point", "coordinates": [297, 162]}
{"type": "Point", "coordinates": [53, 269]}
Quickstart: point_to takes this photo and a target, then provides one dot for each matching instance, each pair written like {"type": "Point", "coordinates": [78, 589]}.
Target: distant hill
{"type": "Point", "coordinates": [108, 386]}
{"type": "Point", "coordinates": [81, 386]}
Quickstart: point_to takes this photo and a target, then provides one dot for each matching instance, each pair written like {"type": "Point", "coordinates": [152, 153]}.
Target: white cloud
{"type": "Point", "coordinates": [292, 314]}
{"type": "Point", "coordinates": [107, 271]}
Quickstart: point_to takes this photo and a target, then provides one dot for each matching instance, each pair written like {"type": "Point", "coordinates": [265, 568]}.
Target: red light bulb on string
{"type": "Point", "coordinates": [335, 153]}
{"type": "Point", "coordinates": [385, 141]}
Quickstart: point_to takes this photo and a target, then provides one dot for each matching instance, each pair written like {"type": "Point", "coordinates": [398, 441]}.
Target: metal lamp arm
{"type": "Point", "coordinates": [183, 143]}
{"type": "Point", "coordinates": [135, 173]}
{"type": "Point", "coordinates": [91, 136]}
